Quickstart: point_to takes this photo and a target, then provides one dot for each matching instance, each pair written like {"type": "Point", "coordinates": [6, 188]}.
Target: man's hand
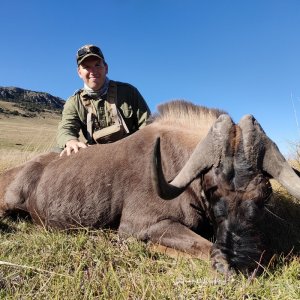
{"type": "Point", "coordinates": [72, 145]}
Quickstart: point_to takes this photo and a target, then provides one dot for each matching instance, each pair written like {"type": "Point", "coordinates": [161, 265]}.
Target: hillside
{"type": "Point", "coordinates": [28, 122]}
{"type": "Point", "coordinates": [26, 103]}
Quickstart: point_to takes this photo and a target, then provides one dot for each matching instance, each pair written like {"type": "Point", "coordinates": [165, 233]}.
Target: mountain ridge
{"type": "Point", "coordinates": [29, 103]}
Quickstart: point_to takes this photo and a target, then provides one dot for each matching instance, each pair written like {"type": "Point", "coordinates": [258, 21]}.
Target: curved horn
{"type": "Point", "coordinates": [162, 187]}
{"type": "Point", "coordinates": [268, 156]}
{"type": "Point", "coordinates": [207, 153]}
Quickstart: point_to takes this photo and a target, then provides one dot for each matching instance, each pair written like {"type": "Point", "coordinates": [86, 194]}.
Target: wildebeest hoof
{"type": "Point", "coordinates": [219, 262]}
{"type": "Point", "coordinates": [223, 268]}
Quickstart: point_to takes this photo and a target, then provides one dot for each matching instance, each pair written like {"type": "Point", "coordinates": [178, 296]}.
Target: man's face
{"type": "Point", "coordinates": [93, 72]}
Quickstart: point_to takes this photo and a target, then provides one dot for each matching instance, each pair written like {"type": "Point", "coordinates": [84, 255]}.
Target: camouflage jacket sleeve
{"type": "Point", "coordinates": [70, 124]}
{"type": "Point", "coordinates": [142, 110]}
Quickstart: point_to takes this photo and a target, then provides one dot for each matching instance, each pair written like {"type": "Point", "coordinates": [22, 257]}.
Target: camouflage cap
{"type": "Point", "coordinates": [87, 51]}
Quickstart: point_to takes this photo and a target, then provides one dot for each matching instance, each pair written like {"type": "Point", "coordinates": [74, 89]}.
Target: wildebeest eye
{"type": "Point", "coordinates": [220, 210]}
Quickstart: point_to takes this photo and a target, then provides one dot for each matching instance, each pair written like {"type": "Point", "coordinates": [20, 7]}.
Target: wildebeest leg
{"type": "Point", "coordinates": [18, 184]}
{"type": "Point", "coordinates": [178, 237]}
{"type": "Point", "coordinates": [5, 180]}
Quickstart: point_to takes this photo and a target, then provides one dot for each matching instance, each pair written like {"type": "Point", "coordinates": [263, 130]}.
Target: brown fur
{"type": "Point", "coordinates": [110, 185]}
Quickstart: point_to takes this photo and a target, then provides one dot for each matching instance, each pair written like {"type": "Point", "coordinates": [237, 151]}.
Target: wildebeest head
{"type": "Point", "coordinates": [235, 163]}
{"type": "Point", "coordinates": [235, 200]}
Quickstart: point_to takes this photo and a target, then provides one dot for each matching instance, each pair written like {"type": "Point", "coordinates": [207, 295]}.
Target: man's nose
{"type": "Point", "coordinates": [93, 70]}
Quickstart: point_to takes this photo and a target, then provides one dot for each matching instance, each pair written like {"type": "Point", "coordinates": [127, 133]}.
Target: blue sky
{"type": "Point", "coordinates": [240, 56]}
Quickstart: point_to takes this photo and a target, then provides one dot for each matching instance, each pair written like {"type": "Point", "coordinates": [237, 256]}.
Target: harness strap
{"type": "Point", "coordinates": [123, 123]}
{"type": "Point", "coordinates": [89, 124]}
{"type": "Point", "coordinates": [112, 99]}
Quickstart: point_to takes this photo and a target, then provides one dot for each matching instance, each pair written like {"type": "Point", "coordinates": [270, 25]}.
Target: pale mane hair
{"type": "Point", "coordinates": [185, 114]}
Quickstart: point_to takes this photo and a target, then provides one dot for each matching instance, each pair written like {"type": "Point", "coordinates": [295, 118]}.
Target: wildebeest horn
{"type": "Point", "coordinates": [263, 152]}
{"type": "Point", "coordinates": [210, 151]}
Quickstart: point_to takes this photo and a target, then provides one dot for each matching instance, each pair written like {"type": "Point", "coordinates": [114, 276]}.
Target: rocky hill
{"type": "Point", "coordinates": [29, 103]}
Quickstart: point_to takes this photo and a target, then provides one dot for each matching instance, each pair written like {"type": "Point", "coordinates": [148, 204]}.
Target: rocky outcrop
{"type": "Point", "coordinates": [30, 100]}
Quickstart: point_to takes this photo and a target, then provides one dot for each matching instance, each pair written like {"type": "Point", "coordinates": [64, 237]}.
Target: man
{"type": "Point", "coordinates": [104, 110]}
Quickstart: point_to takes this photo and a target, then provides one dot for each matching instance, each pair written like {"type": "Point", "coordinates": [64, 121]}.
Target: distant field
{"type": "Point", "coordinates": [28, 133]}
{"type": "Point", "coordinates": [21, 138]}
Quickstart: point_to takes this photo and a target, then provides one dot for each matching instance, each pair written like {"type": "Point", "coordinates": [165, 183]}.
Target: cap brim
{"type": "Point", "coordinates": [80, 60]}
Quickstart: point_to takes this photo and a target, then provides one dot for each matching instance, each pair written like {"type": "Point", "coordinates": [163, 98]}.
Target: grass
{"type": "Point", "coordinates": [86, 264]}
{"type": "Point", "coordinates": [98, 265]}
{"type": "Point", "coordinates": [22, 138]}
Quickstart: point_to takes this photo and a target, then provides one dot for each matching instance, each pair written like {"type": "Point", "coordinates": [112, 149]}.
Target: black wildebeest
{"type": "Point", "coordinates": [216, 173]}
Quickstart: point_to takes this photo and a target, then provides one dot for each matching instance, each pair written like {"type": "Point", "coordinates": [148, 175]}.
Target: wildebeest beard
{"type": "Point", "coordinates": [236, 208]}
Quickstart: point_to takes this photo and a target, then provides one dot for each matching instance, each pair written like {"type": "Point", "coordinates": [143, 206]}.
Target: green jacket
{"type": "Point", "coordinates": [130, 103]}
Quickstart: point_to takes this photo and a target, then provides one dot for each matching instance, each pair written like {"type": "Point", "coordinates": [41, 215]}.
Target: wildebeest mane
{"type": "Point", "coordinates": [184, 113]}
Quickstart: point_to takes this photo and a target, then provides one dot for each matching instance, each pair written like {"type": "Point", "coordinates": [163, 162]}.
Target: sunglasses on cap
{"type": "Point", "coordinates": [91, 49]}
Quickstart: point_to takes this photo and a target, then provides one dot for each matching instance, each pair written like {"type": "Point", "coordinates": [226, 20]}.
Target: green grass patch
{"type": "Point", "coordinates": [22, 138]}
{"type": "Point", "coordinates": [47, 264]}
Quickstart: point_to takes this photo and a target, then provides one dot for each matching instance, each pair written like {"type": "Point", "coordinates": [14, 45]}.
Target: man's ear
{"type": "Point", "coordinates": [79, 72]}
